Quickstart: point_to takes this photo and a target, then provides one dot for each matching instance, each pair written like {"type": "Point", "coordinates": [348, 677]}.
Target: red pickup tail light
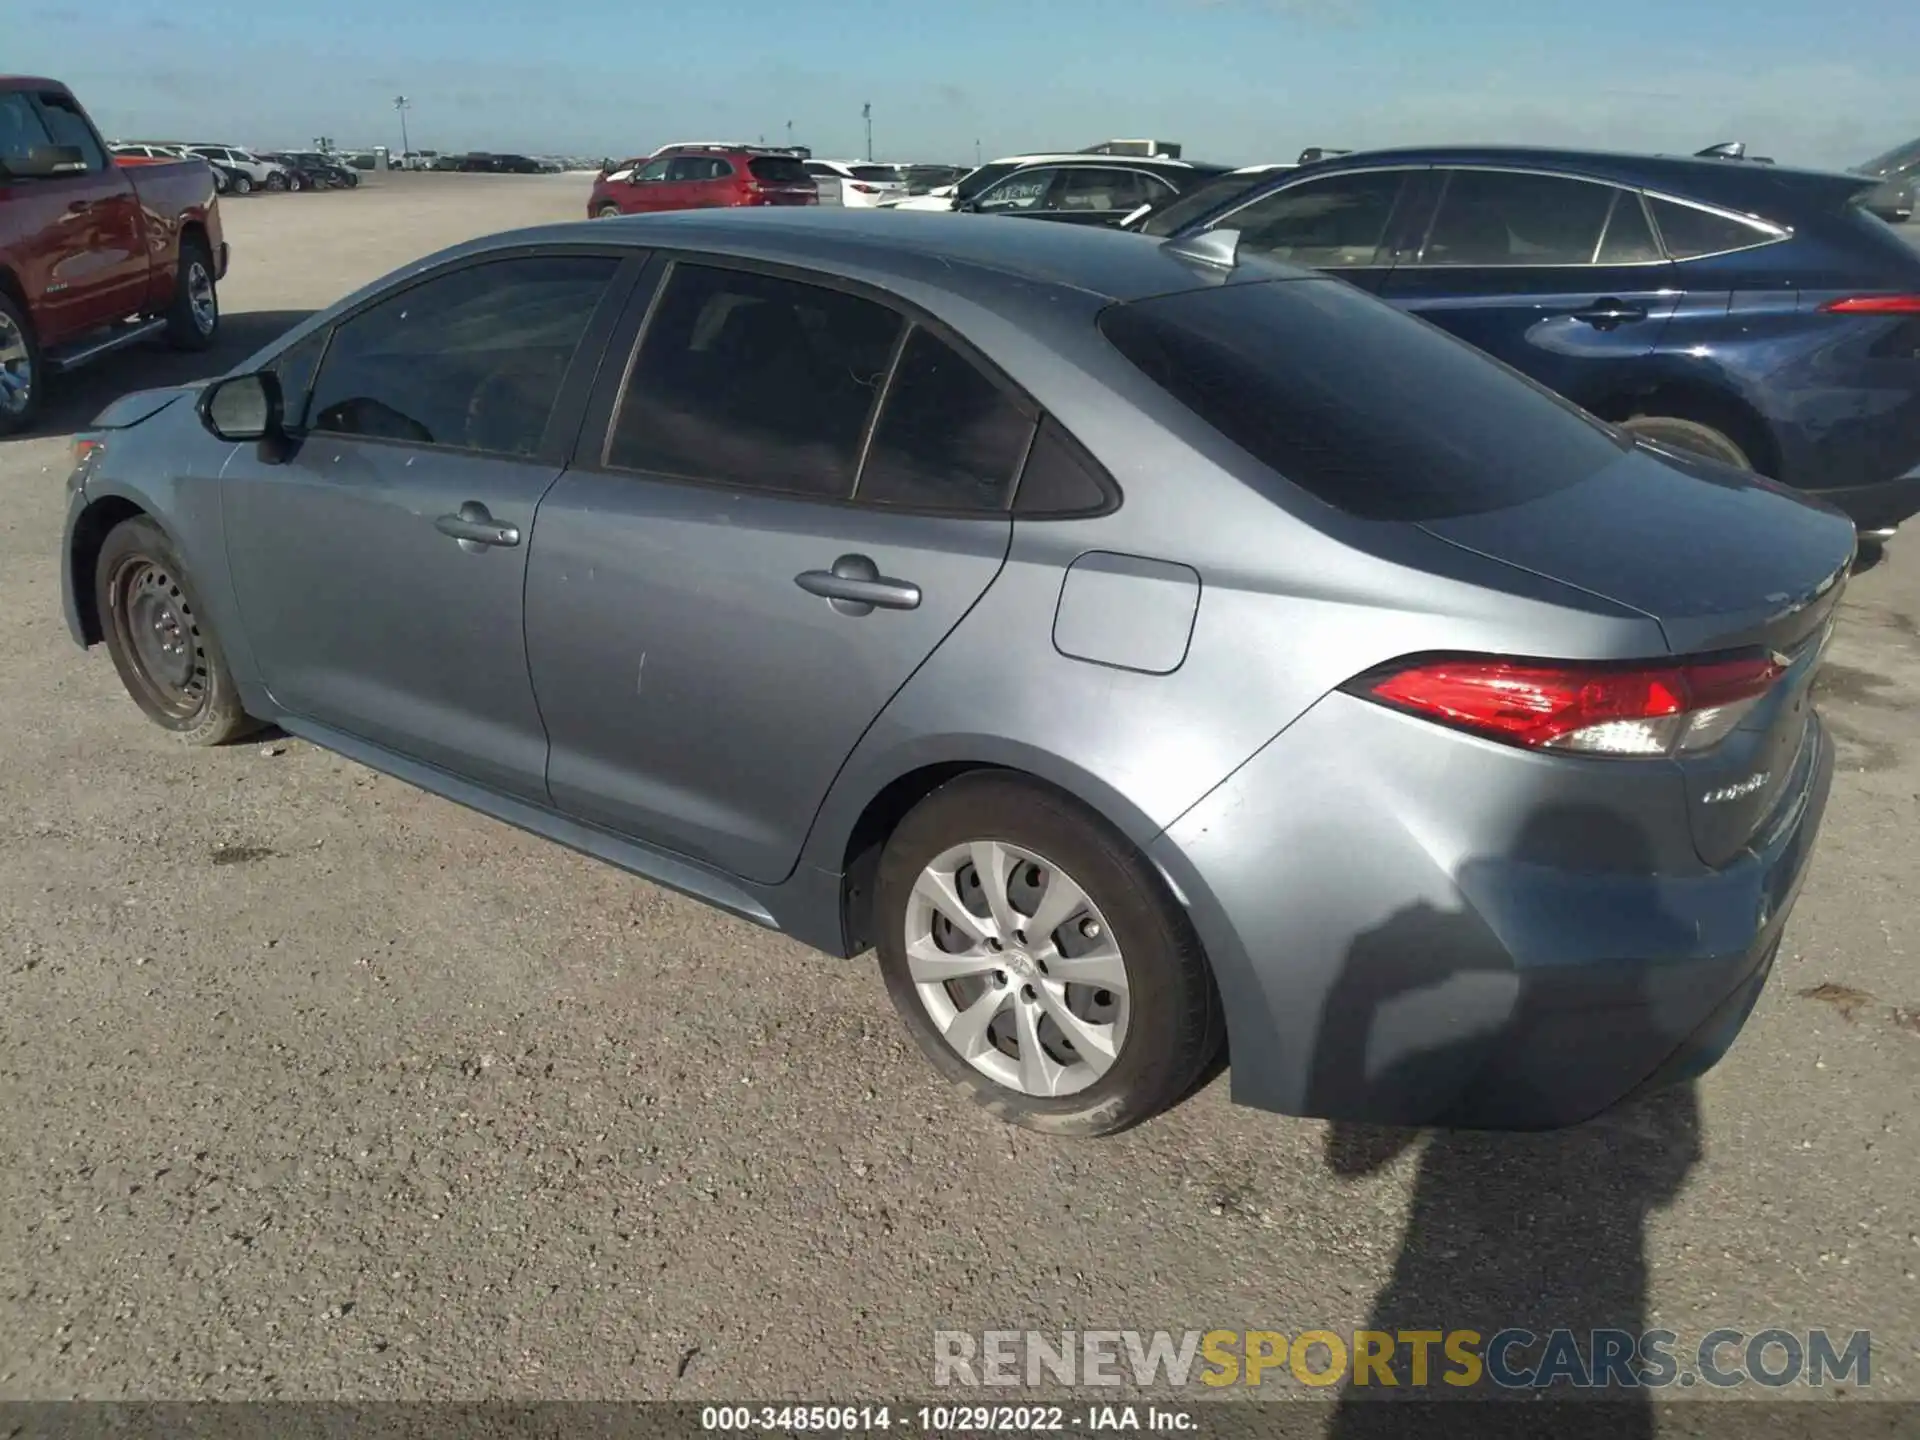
{"type": "Point", "coordinates": [1664, 709]}
{"type": "Point", "coordinates": [1874, 305]}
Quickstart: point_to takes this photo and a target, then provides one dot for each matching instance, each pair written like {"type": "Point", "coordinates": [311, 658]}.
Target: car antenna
{"type": "Point", "coordinates": [1218, 248]}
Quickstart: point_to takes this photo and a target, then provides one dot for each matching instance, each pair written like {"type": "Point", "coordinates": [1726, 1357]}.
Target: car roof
{"type": "Point", "coordinates": [965, 255]}
{"type": "Point", "coordinates": [1733, 182]}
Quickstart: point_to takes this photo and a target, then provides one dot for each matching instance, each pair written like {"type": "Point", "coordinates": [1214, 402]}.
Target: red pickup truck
{"type": "Point", "coordinates": [93, 257]}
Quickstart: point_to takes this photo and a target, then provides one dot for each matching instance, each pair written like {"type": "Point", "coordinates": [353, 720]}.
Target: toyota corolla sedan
{"type": "Point", "coordinates": [1143, 647]}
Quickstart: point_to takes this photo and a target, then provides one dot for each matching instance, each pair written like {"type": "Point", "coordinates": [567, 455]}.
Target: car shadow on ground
{"type": "Point", "coordinates": [1541, 1232]}
{"type": "Point", "coordinates": [73, 400]}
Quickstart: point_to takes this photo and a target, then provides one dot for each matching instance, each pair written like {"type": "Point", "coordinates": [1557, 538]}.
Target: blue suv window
{"type": "Point", "coordinates": [1497, 217]}
{"type": "Point", "coordinates": [1329, 223]}
{"type": "Point", "coordinates": [1691, 232]}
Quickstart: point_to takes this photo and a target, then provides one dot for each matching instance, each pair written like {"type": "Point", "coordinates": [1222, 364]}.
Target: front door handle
{"type": "Point", "coordinates": [854, 586]}
{"type": "Point", "coordinates": [1605, 314]}
{"type": "Point", "coordinates": [476, 529]}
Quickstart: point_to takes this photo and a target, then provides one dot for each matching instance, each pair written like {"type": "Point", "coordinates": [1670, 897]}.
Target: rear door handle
{"type": "Point", "coordinates": [855, 586]}
{"type": "Point", "coordinates": [476, 529]}
{"type": "Point", "coordinates": [1605, 314]}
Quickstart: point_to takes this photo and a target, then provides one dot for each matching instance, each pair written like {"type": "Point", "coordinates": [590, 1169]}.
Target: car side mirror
{"type": "Point", "coordinates": [43, 162]}
{"type": "Point", "coordinates": [248, 407]}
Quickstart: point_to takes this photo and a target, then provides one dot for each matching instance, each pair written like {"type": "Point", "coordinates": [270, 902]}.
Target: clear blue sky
{"type": "Point", "coordinates": [1235, 80]}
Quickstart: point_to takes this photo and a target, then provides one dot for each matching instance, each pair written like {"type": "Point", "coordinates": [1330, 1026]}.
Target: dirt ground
{"type": "Point", "coordinates": [312, 1085]}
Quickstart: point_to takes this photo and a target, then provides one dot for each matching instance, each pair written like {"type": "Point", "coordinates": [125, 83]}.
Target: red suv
{"type": "Point", "coordinates": [698, 177]}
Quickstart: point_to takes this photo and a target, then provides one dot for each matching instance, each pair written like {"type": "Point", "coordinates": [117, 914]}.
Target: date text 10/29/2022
{"type": "Point", "coordinates": [947, 1419]}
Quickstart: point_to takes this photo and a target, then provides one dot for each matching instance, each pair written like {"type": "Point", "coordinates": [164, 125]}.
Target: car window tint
{"type": "Point", "coordinates": [754, 380]}
{"type": "Point", "coordinates": [1060, 477]}
{"type": "Point", "coordinates": [653, 170]}
{"type": "Point", "coordinates": [68, 127]}
{"type": "Point", "coordinates": [1330, 223]}
{"type": "Point", "coordinates": [472, 359]}
{"type": "Point", "coordinates": [690, 167]}
{"type": "Point", "coordinates": [1629, 238]}
{"type": "Point", "coordinates": [20, 128]}
{"type": "Point", "coordinates": [1087, 188]}
{"type": "Point", "coordinates": [1490, 217]}
{"type": "Point", "coordinates": [1690, 232]}
{"type": "Point", "coordinates": [948, 438]}
{"type": "Point", "coordinates": [777, 170]}
{"type": "Point", "coordinates": [1024, 190]}
{"type": "Point", "coordinates": [1373, 411]}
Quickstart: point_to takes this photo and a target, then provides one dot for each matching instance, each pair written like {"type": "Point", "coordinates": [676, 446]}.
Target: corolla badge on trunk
{"type": "Point", "coordinates": [1740, 789]}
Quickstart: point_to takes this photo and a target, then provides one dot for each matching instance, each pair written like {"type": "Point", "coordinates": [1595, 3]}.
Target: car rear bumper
{"type": "Point", "coordinates": [1430, 962]}
{"type": "Point", "coordinates": [1877, 507]}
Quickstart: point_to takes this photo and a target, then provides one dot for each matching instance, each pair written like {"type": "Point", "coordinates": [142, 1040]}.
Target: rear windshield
{"type": "Point", "coordinates": [877, 174]}
{"type": "Point", "coordinates": [779, 170]}
{"type": "Point", "coordinates": [1372, 411]}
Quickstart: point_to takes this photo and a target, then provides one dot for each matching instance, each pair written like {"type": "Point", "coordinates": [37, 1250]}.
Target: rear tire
{"type": "Point", "coordinates": [22, 381]}
{"type": "Point", "coordinates": [1142, 1023]}
{"type": "Point", "coordinates": [193, 319]}
{"type": "Point", "coordinates": [276, 182]}
{"type": "Point", "coordinates": [161, 640]}
{"type": "Point", "coordinates": [1690, 436]}
{"type": "Point", "coordinates": [607, 212]}
{"type": "Point", "coordinates": [242, 184]}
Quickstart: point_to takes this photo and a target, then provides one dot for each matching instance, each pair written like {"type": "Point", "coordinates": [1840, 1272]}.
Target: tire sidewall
{"type": "Point", "coordinates": [216, 718]}
{"type": "Point", "coordinates": [1159, 951]}
{"type": "Point", "coordinates": [11, 423]}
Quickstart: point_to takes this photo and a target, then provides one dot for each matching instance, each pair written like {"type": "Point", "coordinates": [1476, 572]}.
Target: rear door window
{"type": "Point", "coordinates": [778, 170]}
{"type": "Point", "coordinates": [1022, 190]}
{"type": "Point", "coordinates": [1690, 232]}
{"type": "Point", "coordinates": [1494, 217]}
{"type": "Point", "coordinates": [1088, 188]}
{"type": "Point", "coordinates": [754, 380]}
{"type": "Point", "coordinates": [948, 437]}
{"type": "Point", "coordinates": [471, 360]}
{"type": "Point", "coordinates": [1629, 238]}
{"type": "Point", "coordinates": [1372, 411]}
{"type": "Point", "coordinates": [1330, 223]}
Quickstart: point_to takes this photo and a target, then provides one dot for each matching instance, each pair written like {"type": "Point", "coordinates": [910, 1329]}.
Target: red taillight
{"type": "Point", "coordinates": [864, 189]}
{"type": "Point", "coordinates": [1874, 305]}
{"type": "Point", "coordinates": [1590, 709]}
{"type": "Point", "coordinates": [85, 448]}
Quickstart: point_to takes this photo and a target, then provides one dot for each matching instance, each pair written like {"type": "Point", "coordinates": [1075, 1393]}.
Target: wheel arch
{"type": "Point", "coordinates": [11, 287]}
{"type": "Point", "coordinates": [864, 809]}
{"type": "Point", "coordinates": [90, 531]}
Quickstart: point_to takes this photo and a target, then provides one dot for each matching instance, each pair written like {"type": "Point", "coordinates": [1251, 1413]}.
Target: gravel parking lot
{"type": "Point", "coordinates": [317, 1086]}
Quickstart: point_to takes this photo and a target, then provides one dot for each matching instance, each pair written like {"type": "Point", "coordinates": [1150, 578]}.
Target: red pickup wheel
{"type": "Point", "coordinates": [193, 319]}
{"type": "Point", "coordinates": [20, 382]}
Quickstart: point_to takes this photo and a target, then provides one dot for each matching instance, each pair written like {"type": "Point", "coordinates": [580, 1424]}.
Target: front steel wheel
{"type": "Point", "coordinates": [161, 642]}
{"type": "Point", "coordinates": [1039, 961]}
{"type": "Point", "coordinates": [1017, 968]}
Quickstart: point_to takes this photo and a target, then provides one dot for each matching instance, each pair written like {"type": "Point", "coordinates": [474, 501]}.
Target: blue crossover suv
{"type": "Point", "coordinates": [1754, 314]}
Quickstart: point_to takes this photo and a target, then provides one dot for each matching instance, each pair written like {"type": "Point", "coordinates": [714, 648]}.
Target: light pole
{"type": "Point", "coordinates": [403, 104]}
{"type": "Point", "coordinates": [866, 114]}
{"type": "Point", "coordinates": [976, 153]}
{"type": "Point", "coordinates": [789, 134]}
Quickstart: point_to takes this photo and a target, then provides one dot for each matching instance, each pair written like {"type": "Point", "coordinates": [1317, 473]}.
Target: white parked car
{"type": "Point", "coordinates": [857, 184]}
{"type": "Point", "coordinates": [265, 173]}
{"type": "Point", "coordinates": [975, 181]}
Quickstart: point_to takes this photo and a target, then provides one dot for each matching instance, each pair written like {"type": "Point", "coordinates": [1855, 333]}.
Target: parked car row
{"type": "Point", "coordinates": [1717, 304]}
{"type": "Point", "coordinates": [238, 170]}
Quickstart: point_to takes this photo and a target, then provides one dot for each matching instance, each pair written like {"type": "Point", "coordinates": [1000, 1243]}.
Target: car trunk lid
{"type": "Point", "coordinates": [1725, 562]}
